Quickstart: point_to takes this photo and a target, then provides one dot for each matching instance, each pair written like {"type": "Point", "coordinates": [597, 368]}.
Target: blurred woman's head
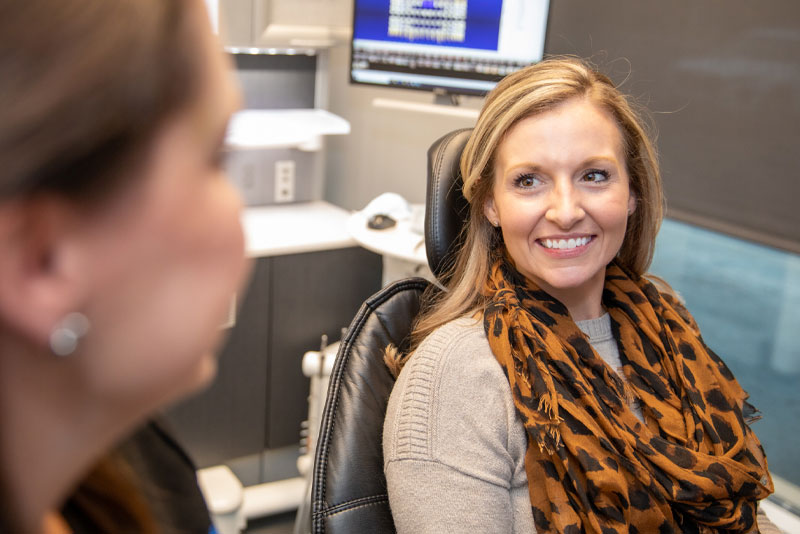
{"type": "Point", "coordinates": [113, 202]}
{"type": "Point", "coordinates": [113, 117]}
{"type": "Point", "coordinates": [84, 85]}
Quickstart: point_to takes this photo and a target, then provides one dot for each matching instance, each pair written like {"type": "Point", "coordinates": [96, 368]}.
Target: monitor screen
{"type": "Point", "coordinates": [446, 46]}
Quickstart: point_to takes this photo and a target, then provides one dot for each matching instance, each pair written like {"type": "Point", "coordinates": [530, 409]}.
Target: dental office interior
{"type": "Point", "coordinates": [326, 153]}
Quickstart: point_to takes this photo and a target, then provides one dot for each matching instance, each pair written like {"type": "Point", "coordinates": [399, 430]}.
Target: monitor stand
{"type": "Point", "coordinates": [446, 99]}
{"type": "Point", "coordinates": [444, 104]}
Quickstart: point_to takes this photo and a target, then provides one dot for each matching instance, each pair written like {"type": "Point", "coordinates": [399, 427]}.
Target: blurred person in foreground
{"type": "Point", "coordinates": [555, 387]}
{"type": "Point", "coordinates": [120, 244]}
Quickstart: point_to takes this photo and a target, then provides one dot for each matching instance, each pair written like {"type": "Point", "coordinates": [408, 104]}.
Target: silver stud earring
{"type": "Point", "coordinates": [65, 336]}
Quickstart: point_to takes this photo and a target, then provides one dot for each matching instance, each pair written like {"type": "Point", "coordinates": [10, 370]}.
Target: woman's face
{"type": "Point", "coordinates": [167, 255]}
{"type": "Point", "coordinates": [561, 197]}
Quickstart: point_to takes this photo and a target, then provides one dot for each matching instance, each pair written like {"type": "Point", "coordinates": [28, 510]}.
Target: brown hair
{"type": "Point", "coordinates": [527, 92]}
{"type": "Point", "coordinates": [84, 86]}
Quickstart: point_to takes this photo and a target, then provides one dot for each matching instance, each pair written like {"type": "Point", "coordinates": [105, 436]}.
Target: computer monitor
{"type": "Point", "coordinates": [445, 46]}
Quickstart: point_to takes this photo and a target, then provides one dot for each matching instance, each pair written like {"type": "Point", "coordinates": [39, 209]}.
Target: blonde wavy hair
{"type": "Point", "coordinates": [525, 93]}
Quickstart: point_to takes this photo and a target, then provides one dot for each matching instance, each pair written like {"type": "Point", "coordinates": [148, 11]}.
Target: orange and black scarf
{"type": "Point", "coordinates": [592, 465]}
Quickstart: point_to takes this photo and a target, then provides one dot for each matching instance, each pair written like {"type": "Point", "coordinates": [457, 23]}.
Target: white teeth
{"type": "Point", "coordinates": [565, 243]}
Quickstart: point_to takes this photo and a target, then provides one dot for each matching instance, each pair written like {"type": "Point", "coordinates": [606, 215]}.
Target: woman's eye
{"type": "Point", "coordinates": [526, 180]}
{"type": "Point", "coordinates": [596, 176]}
{"type": "Point", "coordinates": [219, 158]}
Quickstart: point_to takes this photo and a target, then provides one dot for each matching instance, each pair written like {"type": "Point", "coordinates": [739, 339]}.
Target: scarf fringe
{"type": "Point", "coordinates": [550, 440]}
{"type": "Point", "coordinates": [550, 409]}
{"type": "Point", "coordinates": [630, 396]}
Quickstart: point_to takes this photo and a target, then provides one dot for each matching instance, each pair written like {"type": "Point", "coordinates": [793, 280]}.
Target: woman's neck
{"type": "Point", "coordinates": [51, 433]}
{"type": "Point", "coordinates": [584, 301]}
{"type": "Point", "coordinates": [584, 311]}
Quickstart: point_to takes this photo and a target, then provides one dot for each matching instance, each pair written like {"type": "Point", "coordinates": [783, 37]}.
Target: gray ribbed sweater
{"type": "Point", "coordinates": [454, 450]}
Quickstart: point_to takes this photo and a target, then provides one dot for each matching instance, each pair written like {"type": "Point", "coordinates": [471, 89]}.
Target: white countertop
{"type": "Point", "coordinates": [399, 241]}
{"type": "Point", "coordinates": [295, 228]}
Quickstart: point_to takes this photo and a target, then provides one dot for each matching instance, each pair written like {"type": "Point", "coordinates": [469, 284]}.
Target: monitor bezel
{"type": "Point", "coordinates": [439, 90]}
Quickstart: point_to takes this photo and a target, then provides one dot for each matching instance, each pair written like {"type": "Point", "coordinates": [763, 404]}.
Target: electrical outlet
{"type": "Point", "coordinates": [284, 180]}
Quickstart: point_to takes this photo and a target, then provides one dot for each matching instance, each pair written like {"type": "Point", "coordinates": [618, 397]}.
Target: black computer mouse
{"type": "Point", "coordinates": [379, 221]}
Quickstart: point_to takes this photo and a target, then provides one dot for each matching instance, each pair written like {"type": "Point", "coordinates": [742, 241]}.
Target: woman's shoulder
{"type": "Point", "coordinates": [463, 332]}
{"type": "Point", "coordinates": [452, 404]}
{"type": "Point", "coordinates": [455, 355]}
{"type": "Point", "coordinates": [673, 300]}
{"type": "Point", "coordinates": [453, 371]}
{"type": "Point", "coordinates": [458, 349]}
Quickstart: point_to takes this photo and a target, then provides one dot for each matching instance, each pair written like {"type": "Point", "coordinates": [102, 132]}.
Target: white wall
{"type": "Point", "coordinates": [386, 149]}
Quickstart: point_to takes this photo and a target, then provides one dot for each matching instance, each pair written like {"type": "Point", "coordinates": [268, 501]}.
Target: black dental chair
{"type": "Point", "coordinates": [349, 489]}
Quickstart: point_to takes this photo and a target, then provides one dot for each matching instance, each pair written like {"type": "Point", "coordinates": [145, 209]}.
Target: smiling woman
{"type": "Point", "coordinates": [553, 386]}
{"type": "Point", "coordinates": [120, 244]}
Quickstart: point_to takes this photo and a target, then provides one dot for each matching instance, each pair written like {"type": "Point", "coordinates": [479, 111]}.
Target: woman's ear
{"type": "Point", "coordinates": [40, 275]}
{"type": "Point", "coordinates": [631, 203]}
{"type": "Point", "coordinates": [490, 212]}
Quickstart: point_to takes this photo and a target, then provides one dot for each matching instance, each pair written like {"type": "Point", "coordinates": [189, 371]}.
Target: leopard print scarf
{"type": "Point", "coordinates": [592, 465]}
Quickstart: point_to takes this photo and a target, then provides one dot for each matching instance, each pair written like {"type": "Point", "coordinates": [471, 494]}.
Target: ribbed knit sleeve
{"type": "Point", "coordinates": [453, 449]}
{"type": "Point", "coordinates": [411, 436]}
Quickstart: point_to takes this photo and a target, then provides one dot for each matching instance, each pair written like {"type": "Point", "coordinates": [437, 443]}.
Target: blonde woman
{"type": "Point", "coordinates": [120, 245]}
{"type": "Point", "coordinates": [555, 387]}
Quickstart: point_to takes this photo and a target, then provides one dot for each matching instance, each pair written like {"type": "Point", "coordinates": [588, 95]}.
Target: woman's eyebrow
{"type": "Point", "coordinates": [599, 159]}
{"type": "Point", "coordinates": [531, 167]}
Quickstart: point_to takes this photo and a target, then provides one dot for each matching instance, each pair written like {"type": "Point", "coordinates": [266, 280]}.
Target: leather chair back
{"type": "Point", "coordinates": [349, 488]}
{"type": "Point", "coordinates": [446, 209]}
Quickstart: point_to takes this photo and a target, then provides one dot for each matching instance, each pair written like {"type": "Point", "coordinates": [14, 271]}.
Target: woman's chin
{"type": "Point", "coordinates": [205, 372]}
{"type": "Point", "coordinates": [197, 379]}
{"type": "Point", "coordinates": [570, 278]}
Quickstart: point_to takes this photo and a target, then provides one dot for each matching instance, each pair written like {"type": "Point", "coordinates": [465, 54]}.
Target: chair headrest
{"type": "Point", "coordinates": [446, 209]}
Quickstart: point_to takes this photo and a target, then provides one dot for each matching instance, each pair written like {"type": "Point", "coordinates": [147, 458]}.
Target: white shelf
{"type": "Point", "coordinates": [295, 36]}
{"type": "Point", "coordinates": [295, 228]}
{"type": "Point", "coordinates": [283, 128]}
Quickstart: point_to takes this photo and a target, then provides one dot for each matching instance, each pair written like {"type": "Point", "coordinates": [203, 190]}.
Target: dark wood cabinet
{"type": "Point", "coordinates": [259, 397]}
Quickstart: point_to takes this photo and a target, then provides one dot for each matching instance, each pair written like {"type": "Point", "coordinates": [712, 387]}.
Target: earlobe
{"type": "Point", "coordinates": [490, 212]}
{"type": "Point", "coordinates": [631, 204]}
{"type": "Point", "coordinates": [38, 276]}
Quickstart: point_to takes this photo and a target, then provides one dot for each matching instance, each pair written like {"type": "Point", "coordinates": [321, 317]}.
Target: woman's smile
{"type": "Point", "coordinates": [566, 244]}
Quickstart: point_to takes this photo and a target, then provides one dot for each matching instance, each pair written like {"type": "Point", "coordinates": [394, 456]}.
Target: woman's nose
{"type": "Point", "coordinates": [565, 206]}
